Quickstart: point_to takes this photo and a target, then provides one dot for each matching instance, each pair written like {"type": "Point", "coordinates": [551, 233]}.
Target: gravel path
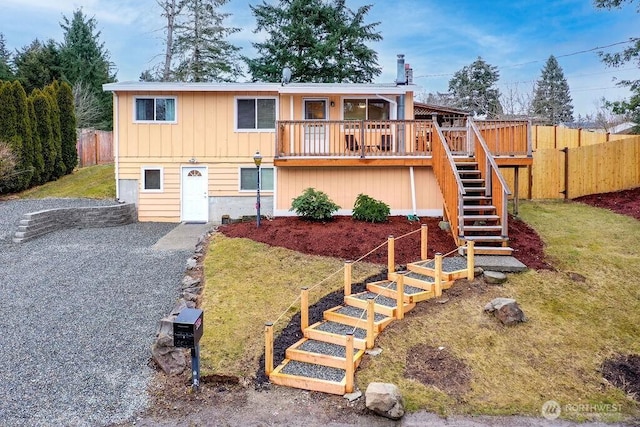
{"type": "Point", "coordinates": [80, 311]}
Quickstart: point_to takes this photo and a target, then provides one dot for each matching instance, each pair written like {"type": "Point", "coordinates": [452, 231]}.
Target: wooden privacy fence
{"type": "Point", "coordinates": [601, 163]}
{"type": "Point", "coordinates": [95, 147]}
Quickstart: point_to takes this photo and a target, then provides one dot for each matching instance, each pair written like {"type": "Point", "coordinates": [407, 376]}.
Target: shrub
{"type": "Point", "coordinates": [314, 205]}
{"type": "Point", "coordinates": [369, 209]}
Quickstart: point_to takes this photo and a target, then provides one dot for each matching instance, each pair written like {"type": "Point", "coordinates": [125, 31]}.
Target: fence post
{"type": "Point", "coordinates": [424, 229]}
{"type": "Point", "coordinates": [391, 263]}
{"type": "Point", "coordinates": [400, 296]}
{"type": "Point", "coordinates": [268, 348]}
{"type": "Point", "coordinates": [438, 268]}
{"type": "Point", "coordinates": [565, 150]}
{"type": "Point", "coordinates": [471, 265]}
{"type": "Point", "coordinates": [96, 147]}
{"type": "Point", "coordinates": [347, 277]}
{"type": "Point", "coordinates": [304, 309]}
{"type": "Point", "coordinates": [370, 320]}
{"type": "Point", "coordinates": [349, 368]}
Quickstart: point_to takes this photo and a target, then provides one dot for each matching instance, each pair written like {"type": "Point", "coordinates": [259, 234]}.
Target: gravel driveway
{"type": "Point", "coordinates": [79, 314]}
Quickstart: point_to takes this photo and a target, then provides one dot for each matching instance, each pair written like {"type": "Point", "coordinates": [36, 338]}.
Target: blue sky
{"type": "Point", "coordinates": [438, 38]}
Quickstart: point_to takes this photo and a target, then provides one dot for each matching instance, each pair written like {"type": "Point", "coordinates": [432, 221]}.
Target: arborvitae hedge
{"type": "Point", "coordinates": [67, 126]}
{"type": "Point", "coordinates": [38, 158]}
{"type": "Point", "coordinates": [51, 91]}
{"type": "Point", "coordinates": [42, 106]}
{"type": "Point", "coordinates": [23, 129]}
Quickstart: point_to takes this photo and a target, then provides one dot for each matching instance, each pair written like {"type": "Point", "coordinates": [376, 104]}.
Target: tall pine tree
{"type": "Point", "coordinates": [6, 72]}
{"type": "Point", "coordinates": [552, 100]}
{"type": "Point", "coordinates": [474, 89]}
{"type": "Point", "coordinates": [86, 60]}
{"type": "Point", "coordinates": [319, 41]}
{"type": "Point", "coordinates": [38, 64]}
{"type": "Point", "coordinates": [204, 54]}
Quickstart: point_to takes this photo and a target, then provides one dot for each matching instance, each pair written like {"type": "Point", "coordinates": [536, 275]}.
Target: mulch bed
{"type": "Point", "coordinates": [623, 371]}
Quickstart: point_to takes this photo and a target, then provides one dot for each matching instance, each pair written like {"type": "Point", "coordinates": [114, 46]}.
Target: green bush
{"type": "Point", "coordinates": [314, 205]}
{"type": "Point", "coordinates": [369, 209]}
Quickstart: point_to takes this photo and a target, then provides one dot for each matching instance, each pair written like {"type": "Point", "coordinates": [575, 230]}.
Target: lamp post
{"type": "Point", "coordinates": [257, 159]}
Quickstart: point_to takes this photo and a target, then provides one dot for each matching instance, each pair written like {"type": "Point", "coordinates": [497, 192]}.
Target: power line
{"type": "Point", "coordinates": [631, 40]}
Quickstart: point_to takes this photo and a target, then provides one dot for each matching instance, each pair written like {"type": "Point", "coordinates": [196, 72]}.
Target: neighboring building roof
{"type": "Point", "coordinates": [623, 128]}
{"type": "Point", "coordinates": [306, 88]}
{"type": "Point", "coordinates": [422, 109]}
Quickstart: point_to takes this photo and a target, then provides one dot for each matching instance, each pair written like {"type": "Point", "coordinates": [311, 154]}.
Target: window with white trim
{"type": "Point", "coordinates": [255, 114]}
{"type": "Point", "coordinates": [249, 179]}
{"type": "Point", "coordinates": [155, 109]}
{"type": "Point", "coordinates": [366, 109]}
{"type": "Point", "coordinates": [152, 179]}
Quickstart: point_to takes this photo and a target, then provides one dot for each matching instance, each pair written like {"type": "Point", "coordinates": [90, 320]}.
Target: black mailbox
{"type": "Point", "coordinates": [187, 328]}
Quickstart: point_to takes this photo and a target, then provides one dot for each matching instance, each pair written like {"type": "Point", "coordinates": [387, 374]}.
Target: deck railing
{"type": "Point", "coordinates": [506, 137]}
{"type": "Point", "coordinates": [495, 183]}
{"type": "Point", "coordinates": [353, 138]}
{"type": "Point", "coordinates": [451, 187]}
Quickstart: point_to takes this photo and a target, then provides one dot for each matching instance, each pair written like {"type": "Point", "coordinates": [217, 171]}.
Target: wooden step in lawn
{"type": "Point", "coordinates": [335, 333]}
{"type": "Point", "coordinates": [452, 268]}
{"type": "Point", "coordinates": [389, 288]}
{"type": "Point", "coordinates": [309, 376]}
{"type": "Point", "coordinates": [356, 317]}
{"type": "Point", "coordinates": [384, 305]}
{"type": "Point", "coordinates": [322, 353]}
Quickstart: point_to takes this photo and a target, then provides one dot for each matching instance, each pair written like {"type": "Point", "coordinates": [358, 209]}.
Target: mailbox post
{"type": "Point", "coordinates": [187, 331]}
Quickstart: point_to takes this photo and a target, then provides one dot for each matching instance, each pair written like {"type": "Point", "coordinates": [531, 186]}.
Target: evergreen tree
{"type": "Point", "coordinates": [44, 129]}
{"type": "Point", "coordinates": [24, 132]}
{"type": "Point", "coordinates": [171, 10]}
{"type": "Point", "coordinates": [630, 54]}
{"type": "Point", "coordinates": [319, 41]}
{"type": "Point", "coordinates": [38, 64]}
{"type": "Point", "coordinates": [51, 92]}
{"type": "Point", "coordinates": [86, 60]}
{"type": "Point", "coordinates": [473, 89]}
{"type": "Point", "coordinates": [38, 157]}
{"type": "Point", "coordinates": [552, 100]}
{"type": "Point", "coordinates": [9, 140]}
{"type": "Point", "coordinates": [64, 96]}
{"type": "Point", "coordinates": [6, 72]}
{"type": "Point", "coordinates": [200, 43]}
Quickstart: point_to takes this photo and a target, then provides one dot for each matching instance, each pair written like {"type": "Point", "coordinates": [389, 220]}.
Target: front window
{"type": "Point", "coordinates": [366, 109]}
{"type": "Point", "coordinates": [155, 109]}
{"type": "Point", "coordinates": [249, 179]}
{"type": "Point", "coordinates": [152, 179]}
{"type": "Point", "coordinates": [255, 113]}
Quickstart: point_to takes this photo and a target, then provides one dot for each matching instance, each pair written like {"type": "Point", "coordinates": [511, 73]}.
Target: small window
{"type": "Point", "coordinates": [366, 109]}
{"type": "Point", "coordinates": [155, 110]}
{"type": "Point", "coordinates": [249, 179]}
{"type": "Point", "coordinates": [152, 179]}
{"type": "Point", "coordinates": [255, 113]}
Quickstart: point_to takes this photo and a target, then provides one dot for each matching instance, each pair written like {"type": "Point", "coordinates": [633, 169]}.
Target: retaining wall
{"type": "Point", "coordinates": [36, 224]}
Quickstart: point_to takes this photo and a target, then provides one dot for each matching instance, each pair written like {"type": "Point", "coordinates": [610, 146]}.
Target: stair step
{"type": "Point", "coordinates": [488, 250]}
{"type": "Point", "coordinates": [469, 172]}
{"type": "Point", "coordinates": [384, 305]}
{"type": "Point", "coordinates": [452, 268]}
{"type": "Point", "coordinates": [471, 164]}
{"type": "Point", "coordinates": [334, 332]}
{"type": "Point", "coordinates": [356, 317]}
{"type": "Point", "coordinates": [476, 198]}
{"type": "Point", "coordinates": [321, 353]}
{"type": "Point", "coordinates": [480, 217]}
{"type": "Point", "coordinates": [412, 294]}
{"type": "Point", "coordinates": [307, 376]}
{"type": "Point", "coordinates": [478, 207]}
{"type": "Point", "coordinates": [472, 181]}
{"type": "Point", "coordinates": [483, 228]}
{"type": "Point", "coordinates": [486, 238]}
{"type": "Point", "coordinates": [474, 189]}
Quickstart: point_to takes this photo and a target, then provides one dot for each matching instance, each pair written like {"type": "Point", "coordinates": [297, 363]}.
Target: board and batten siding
{"type": "Point", "coordinates": [343, 185]}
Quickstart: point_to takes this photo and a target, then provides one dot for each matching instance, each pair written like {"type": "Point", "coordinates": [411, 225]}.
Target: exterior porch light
{"type": "Point", "coordinates": [257, 159]}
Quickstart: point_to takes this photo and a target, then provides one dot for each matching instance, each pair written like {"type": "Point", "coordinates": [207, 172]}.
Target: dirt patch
{"type": "Point", "coordinates": [626, 202]}
{"type": "Point", "coordinates": [623, 371]}
{"type": "Point", "coordinates": [437, 367]}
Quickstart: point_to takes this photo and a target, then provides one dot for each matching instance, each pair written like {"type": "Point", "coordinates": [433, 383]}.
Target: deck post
{"type": "Point", "coordinates": [349, 368]}
{"type": "Point", "coordinates": [347, 277]}
{"type": "Point", "coordinates": [471, 265]}
{"type": "Point", "coordinates": [400, 296]}
{"type": "Point", "coordinates": [391, 262]}
{"type": "Point", "coordinates": [304, 309]}
{"type": "Point", "coordinates": [370, 320]}
{"type": "Point", "coordinates": [438, 268]}
{"type": "Point", "coordinates": [268, 348]}
{"type": "Point", "coordinates": [424, 229]}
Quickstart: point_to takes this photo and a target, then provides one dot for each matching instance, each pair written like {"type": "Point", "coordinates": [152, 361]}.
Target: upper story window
{"type": "Point", "coordinates": [155, 109]}
{"type": "Point", "coordinates": [255, 114]}
{"type": "Point", "coordinates": [366, 109]}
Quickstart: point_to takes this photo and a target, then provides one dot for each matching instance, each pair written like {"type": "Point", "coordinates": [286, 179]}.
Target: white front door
{"type": "Point", "coordinates": [195, 196]}
{"type": "Point", "coordinates": [315, 134]}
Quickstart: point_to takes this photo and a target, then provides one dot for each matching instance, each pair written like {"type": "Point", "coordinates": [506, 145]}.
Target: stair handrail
{"type": "Point", "coordinates": [496, 185]}
{"type": "Point", "coordinates": [444, 169]}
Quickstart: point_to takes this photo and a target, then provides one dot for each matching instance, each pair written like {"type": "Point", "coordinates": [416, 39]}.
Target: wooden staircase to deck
{"type": "Point", "coordinates": [325, 358]}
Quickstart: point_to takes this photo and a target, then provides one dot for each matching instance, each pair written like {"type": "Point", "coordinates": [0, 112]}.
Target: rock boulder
{"type": "Point", "coordinates": [385, 399]}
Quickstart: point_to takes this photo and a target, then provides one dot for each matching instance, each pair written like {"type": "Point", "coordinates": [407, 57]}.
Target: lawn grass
{"type": "Point", "coordinates": [94, 182]}
{"type": "Point", "coordinates": [249, 284]}
{"type": "Point", "coordinates": [557, 354]}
